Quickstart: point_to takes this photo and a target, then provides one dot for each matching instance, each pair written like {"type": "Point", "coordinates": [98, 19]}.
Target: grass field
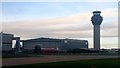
{"type": "Point", "coordinates": [99, 63]}
{"type": "Point", "coordinates": [41, 55]}
{"type": "Point", "coordinates": [20, 55]}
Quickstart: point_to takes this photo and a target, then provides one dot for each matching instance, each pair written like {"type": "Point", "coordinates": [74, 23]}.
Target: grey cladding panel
{"type": "Point", "coordinates": [7, 38]}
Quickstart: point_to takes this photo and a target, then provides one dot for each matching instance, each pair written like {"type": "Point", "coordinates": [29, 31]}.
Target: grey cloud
{"type": "Point", "coordinates": [74, 26]}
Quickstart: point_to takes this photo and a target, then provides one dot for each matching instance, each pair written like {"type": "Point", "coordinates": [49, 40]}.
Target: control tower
{"type": "Point", "coordinates": [96, 21]}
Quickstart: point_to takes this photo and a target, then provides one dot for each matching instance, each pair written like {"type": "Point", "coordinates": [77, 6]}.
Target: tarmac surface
{"type": "Point", "coordinates": [49, 58]}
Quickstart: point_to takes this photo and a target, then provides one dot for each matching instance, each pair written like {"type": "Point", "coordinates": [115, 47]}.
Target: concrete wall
{"type": "Point", "coordinates": [97, 37]}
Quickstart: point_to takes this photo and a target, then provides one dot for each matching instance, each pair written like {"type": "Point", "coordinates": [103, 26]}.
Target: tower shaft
{"type": "Point", "coordinates": [97, 37]}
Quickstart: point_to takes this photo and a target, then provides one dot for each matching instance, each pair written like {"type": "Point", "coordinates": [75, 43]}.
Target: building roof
{"type": "Point", "coordinates": [42, 40]}
{"type": "Point", "coordinates": [5, 33]}
{"type": "Point", "coordinates": [49, 40]}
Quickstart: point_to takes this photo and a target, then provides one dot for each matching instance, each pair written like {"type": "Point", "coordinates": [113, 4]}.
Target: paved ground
{"type": "Point", "coordinates": [48, 58]}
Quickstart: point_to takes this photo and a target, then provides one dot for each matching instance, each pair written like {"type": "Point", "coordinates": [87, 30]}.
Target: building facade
{"type": "Point", "coordinates": [45, 43]}
{"type": "Point", "coordinates": [58, 44]}
{"type": "Point", "coordinates": [6, 41]}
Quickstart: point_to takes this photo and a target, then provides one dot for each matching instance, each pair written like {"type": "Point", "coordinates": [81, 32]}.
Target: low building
{"type": "Point", "coordinates": [6, 41]}
{"type": "Point", "coordinates": [44, 43]}
{"type": "Point", "coordinates": [58, 44]}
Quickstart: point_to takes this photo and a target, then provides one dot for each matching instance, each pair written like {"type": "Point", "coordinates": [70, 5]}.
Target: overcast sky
{"type": "Point", "coordinates": [60, 20]}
